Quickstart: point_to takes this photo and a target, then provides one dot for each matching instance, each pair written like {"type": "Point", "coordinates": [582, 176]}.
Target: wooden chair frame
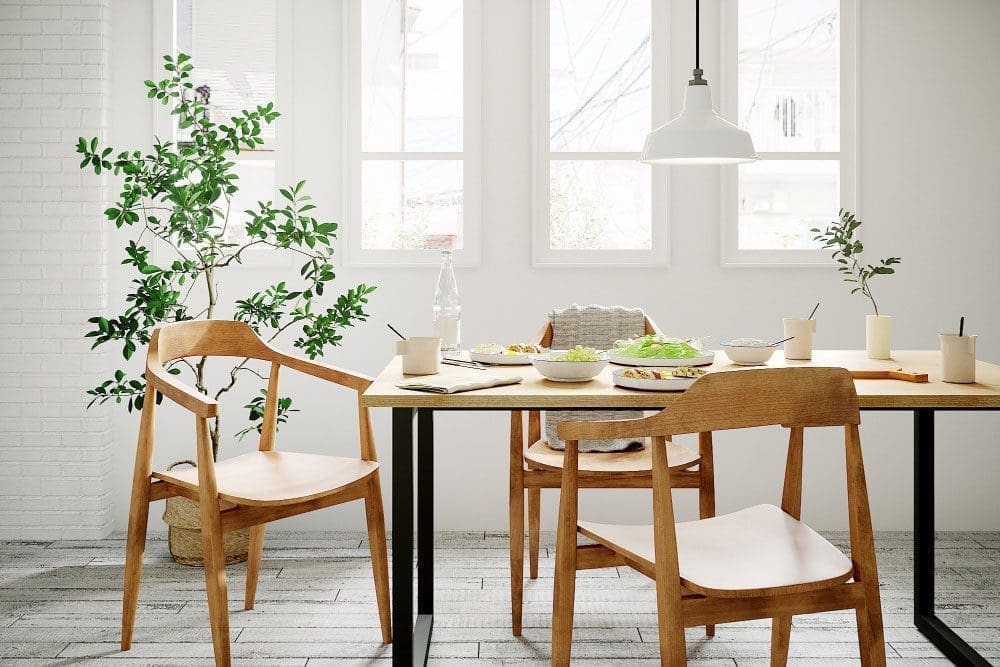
{"type": "Point", "coordinates": [796, 398]}
{"type": "Point", "coordinates": [206, 338]}
{"type": "Point", "coordinates": [525, 480]}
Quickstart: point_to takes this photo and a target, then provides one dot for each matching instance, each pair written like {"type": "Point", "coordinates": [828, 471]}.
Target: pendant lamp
{"type": "Point", "coordinates": [698, 135]}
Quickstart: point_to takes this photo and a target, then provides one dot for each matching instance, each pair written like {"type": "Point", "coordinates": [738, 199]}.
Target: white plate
{"type": "Point", "coordinates": [705, 359]}
{"type": "Point", "coordinates": [671, 384]}
{"type": "Point", "coordinates": [501, 359]}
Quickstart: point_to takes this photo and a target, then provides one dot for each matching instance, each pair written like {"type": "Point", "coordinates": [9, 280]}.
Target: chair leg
{"type": "Point", "coordinates": [534, 524]}
{"type": "Point", "coordinates": [516, 514]}
{"type": "Point", "coordinates": [870, 642]}
{"type": "Point", "coordinates": [706, 490]}
{"type": "Point", "coordinates": [564, 586]}
{"type": "Point", "coordinates": [215, 582]}
{"type": "Point", "coordinates": [379, 554]}
{"type": "Point", "coordinates": [135, 547]}
{"type": "Point", "coordinates": [781, 634]}
{"type": "Point", "coordinates": [254, 555]}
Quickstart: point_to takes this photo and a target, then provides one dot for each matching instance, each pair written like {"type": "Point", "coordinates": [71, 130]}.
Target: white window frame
{"type": "Point", "coordinates": [731, 254]}
{"type": "Point", "coordinates": [542, 254]}
{"type": "Point", "coordinates": [281, 150]}
{"type": "Point", "coordinates": [473, 34]}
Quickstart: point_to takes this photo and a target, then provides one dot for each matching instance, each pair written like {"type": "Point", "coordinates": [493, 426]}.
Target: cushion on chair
{"type": "Point", "coordinates": [277, 478]}
{"type": "Point", "coordinates": [598, 327]}
{"type": "Point", "coordinates": [756, 551]}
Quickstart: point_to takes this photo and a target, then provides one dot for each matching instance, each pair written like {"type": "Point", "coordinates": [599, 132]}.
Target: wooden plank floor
{"type": "Point", "coordinates": [60, 605]}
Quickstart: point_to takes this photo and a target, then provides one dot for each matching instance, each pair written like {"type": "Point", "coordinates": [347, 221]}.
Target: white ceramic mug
{"type": "Point", "coordinates": [958, 358]}
{"type": "Point", "coordinates": [800, 347]}
{"type": "Point", "coordinates": [421, 355]}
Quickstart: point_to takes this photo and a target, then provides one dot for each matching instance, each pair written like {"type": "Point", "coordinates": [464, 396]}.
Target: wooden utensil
{"type": "Point", "coordinates": [888, 374]}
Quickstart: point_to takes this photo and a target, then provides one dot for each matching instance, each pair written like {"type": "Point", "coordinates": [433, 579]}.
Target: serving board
{"type": "Point", "coordinates": [905, 376]}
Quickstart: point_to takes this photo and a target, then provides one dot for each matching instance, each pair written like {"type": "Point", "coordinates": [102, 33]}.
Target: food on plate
{"type": "Point", "coordinates": [524, 348]}
{"type": "Point", "coordinates": [578, 353]}
{"type": "Point", "coordinates": [512, 349]}
{"type": "Point", "coordinates": [748, 342]}
{"type": "Point", "coordinates": [656, 346]}
{"type": "Point", "coordinates": [664, 374]}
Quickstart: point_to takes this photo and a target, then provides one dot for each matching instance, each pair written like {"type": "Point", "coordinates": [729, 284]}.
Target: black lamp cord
{"type": "Point", "coordinates": [697, 80]}
{"type": "Point", "coordinates": [697, 34]}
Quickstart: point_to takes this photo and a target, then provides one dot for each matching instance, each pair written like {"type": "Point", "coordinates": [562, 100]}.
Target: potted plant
{"type": "Point", "coordinates": [847, 252]}
{"type": "Point", "coordinates": [179, 197]}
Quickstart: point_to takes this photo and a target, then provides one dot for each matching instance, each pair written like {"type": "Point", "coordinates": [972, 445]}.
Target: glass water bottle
{"type": "Point", "coordinates": [447, 310]}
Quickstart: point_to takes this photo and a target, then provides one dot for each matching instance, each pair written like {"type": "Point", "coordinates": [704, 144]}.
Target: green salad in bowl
{"type": "Point", "coordinates": [657, 346]}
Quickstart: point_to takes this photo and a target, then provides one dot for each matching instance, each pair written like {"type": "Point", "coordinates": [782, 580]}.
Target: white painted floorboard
{"type": "Point", "coordinates": [60, 604]}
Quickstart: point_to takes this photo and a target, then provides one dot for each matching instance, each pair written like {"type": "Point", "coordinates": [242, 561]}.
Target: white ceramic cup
{"type": "Point", "coordinates": [421, 355]}
{"type": "Point", "coordinates": [800, 347]}
{"type": "Point", "coordinates": [958, 358]}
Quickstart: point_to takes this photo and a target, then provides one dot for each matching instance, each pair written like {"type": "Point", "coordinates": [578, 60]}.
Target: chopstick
{"type": "Point", "coordinates": [463, 363]}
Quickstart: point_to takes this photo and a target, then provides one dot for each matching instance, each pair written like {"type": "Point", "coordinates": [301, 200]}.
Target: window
{"type": "Point", "coordinates": [599, 85]}
{"type": "Point", "coordinates": [240, 69]}
{"type": "Point", "coordinates": [789, 80]}
{"type": "Point", "coordinates": [412, 130]}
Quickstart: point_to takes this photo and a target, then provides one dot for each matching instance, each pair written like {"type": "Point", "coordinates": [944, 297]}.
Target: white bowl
{"type": "Point", "coordinates": [568, 371]}
{"type": "Point", "coordinates": [748, 355]}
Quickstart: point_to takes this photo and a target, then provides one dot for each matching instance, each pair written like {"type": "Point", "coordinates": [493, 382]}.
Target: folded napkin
{"type": "Point", "coordinates": [453, 384]}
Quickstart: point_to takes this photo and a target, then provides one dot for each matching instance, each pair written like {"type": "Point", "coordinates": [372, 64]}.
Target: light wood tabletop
{"type": "Point", "coordinates": [537, 392]}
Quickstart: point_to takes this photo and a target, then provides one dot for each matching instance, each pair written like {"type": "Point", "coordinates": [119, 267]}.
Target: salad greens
{"type": "Point", "coordinates": [655, 346]}
{"type": "Point", "coordinates": [578, 353]}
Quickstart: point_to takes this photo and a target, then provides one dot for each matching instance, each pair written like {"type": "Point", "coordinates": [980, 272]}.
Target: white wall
{"type": "Point", "coordinates": [55, 457]}
{"type": "Point", "coordinates": [928, 194]}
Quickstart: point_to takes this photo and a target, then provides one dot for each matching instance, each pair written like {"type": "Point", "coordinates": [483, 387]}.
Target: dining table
{"type": "Point", "coordinates": [413, 462]}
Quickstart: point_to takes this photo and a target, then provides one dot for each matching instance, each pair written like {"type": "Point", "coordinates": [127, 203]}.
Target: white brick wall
{"type": "Point", "coordinates": [55, 455]}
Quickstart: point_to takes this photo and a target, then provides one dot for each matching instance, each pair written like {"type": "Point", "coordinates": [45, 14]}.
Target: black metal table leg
{"type": "Point", "coordinates": [425, 535]}
{"type": "Point", "coordinates": [402, 536]}
{"type": "Point", "coordinates": [936, 630]}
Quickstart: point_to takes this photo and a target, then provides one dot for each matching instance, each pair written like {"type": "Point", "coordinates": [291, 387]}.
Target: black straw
{"type": "Point", "coordinates": [815, 308]}
{"type": "Point", "coordinates": [961, 325]}
{"type": "Point", "coordinates": [395, 331]}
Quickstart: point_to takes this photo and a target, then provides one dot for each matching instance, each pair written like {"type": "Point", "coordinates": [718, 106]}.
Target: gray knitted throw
{"type": "Point", "coordinates": [598, 327]}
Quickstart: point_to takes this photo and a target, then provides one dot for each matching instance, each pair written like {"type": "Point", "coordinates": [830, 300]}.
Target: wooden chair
{"type": "Point", "coordinates": [760, 562]}
{"type": "Point", "coordinates": [538, 467]}
{"type": "Point", "coordinates": [249, 490]}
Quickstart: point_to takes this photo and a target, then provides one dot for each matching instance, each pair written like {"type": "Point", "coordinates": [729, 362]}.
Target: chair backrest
{"type": "Point", "coordinates": [800, 397]}
{"type": "Point", "coordinates": [613, 323]}
{"type": "Point", "coordinates": [593, 326]}
{"type": "Point", "coordinates": [207, 338]}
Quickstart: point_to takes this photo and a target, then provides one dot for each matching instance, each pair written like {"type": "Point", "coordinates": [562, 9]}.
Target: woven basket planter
{"type": "Point", "coordinates": [183, 517]}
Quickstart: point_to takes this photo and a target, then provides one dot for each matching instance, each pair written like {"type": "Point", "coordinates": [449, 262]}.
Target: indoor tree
{"type": "Point", "coordinates": [179, 196]}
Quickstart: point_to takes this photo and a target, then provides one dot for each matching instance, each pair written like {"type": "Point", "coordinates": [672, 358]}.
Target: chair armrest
{"type": "Point", "coordinates": [340, 376]}
{"type": "Point", "coordinates": [196, 402]}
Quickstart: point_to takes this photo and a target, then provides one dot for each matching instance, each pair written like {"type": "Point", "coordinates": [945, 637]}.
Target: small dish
{"type": "Point", "coordinates": [747, 352]}
{"type": "Point", "coordinates": [499, 355]}
{"type": "Point", "coordinates": [568, 371]}
{"type": "Point", "coordinates": [704, 359]}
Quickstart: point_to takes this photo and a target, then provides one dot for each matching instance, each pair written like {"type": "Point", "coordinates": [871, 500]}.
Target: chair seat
{"type": "Point", "coordinates": [637, 461]}
{"type": "Point", "coordinates": [277, 478]}
{"type": "Point", "coordinates": [753, 552]}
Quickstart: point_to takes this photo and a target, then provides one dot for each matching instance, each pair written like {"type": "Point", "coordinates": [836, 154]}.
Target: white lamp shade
{"type": "Point", "coordinates": [698, 136]}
